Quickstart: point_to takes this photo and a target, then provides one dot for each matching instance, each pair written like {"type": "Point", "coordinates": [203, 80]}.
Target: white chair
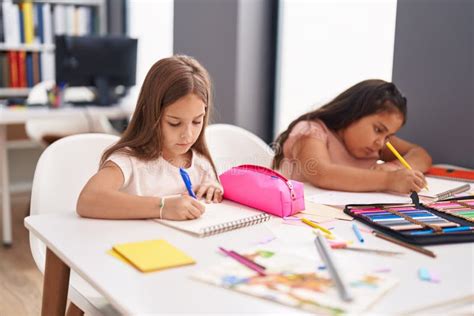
{"type": "Point", "coordinates": [231, 146]}
{"type": "Point", "coordinates": [55, 128]}
{"type": "Point", "coordinates": [62, 171]}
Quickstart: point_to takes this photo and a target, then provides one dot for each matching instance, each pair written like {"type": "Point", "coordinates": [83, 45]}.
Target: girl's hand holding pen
{"type": "Point", "coordinates": [210, 191]}
{"type": "Point", "coordinates": [405, 181]}
{"type": "Point", "coordinates": [182, 207]}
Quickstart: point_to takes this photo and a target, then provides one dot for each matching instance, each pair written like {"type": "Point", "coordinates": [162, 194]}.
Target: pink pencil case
{"type": "Point", "coordinates": [263, 189]}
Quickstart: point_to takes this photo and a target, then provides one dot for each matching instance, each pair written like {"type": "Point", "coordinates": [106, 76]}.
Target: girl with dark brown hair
{"type": "Point", "coordinates": [139, 176]}
{"type": "Point", "coordinates": [338, 146]}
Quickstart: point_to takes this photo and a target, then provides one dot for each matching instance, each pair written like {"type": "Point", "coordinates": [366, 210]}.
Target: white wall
{"type": "Point", "coordinates": [325, 46]}
{"type": "Point", "coordinates": [151, 22]}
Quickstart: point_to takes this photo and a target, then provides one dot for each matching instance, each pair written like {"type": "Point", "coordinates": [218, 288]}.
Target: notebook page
{"type": "Point", "coordinates": [215, 214]}
{"type": "Point", "coordinates": [439, 186]}
{"type": "Point", "coordinates": [332, 197]}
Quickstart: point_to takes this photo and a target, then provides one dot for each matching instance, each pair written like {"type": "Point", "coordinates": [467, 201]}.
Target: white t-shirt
{"type": "Point", "coordinates": [159, 177]}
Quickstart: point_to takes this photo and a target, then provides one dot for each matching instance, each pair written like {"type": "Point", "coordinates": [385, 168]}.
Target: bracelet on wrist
{"type": "Point", "coordinates": [162, 206]}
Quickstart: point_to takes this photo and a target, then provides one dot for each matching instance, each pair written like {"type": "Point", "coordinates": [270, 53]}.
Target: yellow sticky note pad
{"type": "Point", "coordinates": [151, 255]}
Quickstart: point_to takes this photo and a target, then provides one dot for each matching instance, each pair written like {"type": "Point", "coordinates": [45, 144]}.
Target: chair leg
{"type": "Point", "coordinates": [73, 310]}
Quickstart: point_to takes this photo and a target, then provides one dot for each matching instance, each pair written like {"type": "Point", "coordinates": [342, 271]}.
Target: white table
{"type": "Point", "coordinates": [17, 116]}
{"type": "Point", "coordinates": [80, 245]}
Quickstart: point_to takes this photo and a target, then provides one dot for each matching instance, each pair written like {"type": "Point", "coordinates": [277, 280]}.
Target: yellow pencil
{"type": "Point", "coordinates": [400, 158]}
{"type": "Point", "coordinates": [314, 225]}
{"type": "Point", "coordinates": [328, 236]}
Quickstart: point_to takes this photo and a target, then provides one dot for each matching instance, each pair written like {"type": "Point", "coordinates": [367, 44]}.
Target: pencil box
{"type": "Point", "coordinates": [441, 222]}
{"type": "Point", "coordinates": [263, 189]}
{"type": "Point", "coordinates": [447, 173]}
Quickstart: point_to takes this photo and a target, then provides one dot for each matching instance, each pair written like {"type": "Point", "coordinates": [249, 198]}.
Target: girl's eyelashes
{"type": "Point", "coordinates": [178, 124]}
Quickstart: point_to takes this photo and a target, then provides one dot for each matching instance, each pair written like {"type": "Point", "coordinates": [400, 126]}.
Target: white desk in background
{"type": "Point", "coordinates": [21, 115]}
{"type": "Point", "coordinates": [80, 245]}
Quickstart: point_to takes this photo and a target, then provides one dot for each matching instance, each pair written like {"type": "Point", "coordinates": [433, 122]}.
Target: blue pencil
{"type": "Point", "coordinates": [357, 233]}
{"type": "Point", "coordinates": [445, 230]}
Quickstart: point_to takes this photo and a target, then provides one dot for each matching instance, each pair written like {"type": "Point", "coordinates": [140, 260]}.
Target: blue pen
{"type": "Point", "coordinates": [445, 230]}
{"type": "Point", "coordinates": [187, 182]}
{"type": "Point", "coordinates": [357, 233]}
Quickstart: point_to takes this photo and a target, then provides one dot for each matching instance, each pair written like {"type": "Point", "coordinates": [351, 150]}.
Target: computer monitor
{"type": "Point", "coordinates": [103, 62]}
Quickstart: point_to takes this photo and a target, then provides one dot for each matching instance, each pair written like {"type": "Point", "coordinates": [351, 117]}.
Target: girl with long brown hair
{"type": "Point", "coordinates": [139, 176]}
{"type": "Point", "coordinates": [338, 146]}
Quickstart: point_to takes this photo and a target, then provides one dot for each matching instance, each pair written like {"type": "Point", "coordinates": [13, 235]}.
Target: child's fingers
{"type": "Point", "coordinates": [420, 179]}
{"type": "Point", "coordinates": [194, 212]}
{"type": "Point", "coordinates": [201, 191]}
{"type": "Point", "coordinates": [210, 194]}
{"type": "Point", "coordinates": [418, 188]}
{"type": "Point", "coordinates": [217, 196]}
{"type": "Point", "coordinates": [198, 205]}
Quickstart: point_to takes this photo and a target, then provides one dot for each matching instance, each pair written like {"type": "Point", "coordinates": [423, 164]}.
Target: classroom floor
{"type": "Point", "coordinates": [21, 283]}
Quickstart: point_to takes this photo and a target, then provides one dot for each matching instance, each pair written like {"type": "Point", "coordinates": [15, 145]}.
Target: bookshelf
{"type": "Point", "coordinates": [27, 30]}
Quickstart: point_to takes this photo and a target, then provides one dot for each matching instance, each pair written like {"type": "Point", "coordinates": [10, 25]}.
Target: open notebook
{"type": "Point", "coordinates": [439, 189]}
{"type": "Point", "coordinates": [218, 218]}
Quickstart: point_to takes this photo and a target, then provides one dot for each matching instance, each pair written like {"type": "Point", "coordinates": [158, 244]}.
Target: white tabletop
{"type": "Point", "coordinates": [82, 245]}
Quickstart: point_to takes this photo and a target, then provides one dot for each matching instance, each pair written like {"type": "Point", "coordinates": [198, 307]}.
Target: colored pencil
{"type": "Point", "coordinates": [325, 253]}
{"type": "Point", "coordinates": [246, 262]}
{"type": "Point", "coordinates": [445, 230]}
{"type": "Point", "coordinates": [247, 259]}
{"type": "Point", "coordinates": [314, 225]}
{"type": "Point", "coordinates": [400, 158]}
{"type": "Point", "coordinates": [357, 233]}
{"type": "Point", "coordinates": [374, 251]}
{"type": "Point", "coordinates": [422, 250]}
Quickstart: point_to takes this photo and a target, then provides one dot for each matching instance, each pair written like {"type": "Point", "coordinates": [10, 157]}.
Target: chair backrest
{"type": "Point", "coordinates": [231, 146]}
{"type": "Point", "coordinates": [62, 171]}
{"type": "Point", "coordinates": [37, 128]}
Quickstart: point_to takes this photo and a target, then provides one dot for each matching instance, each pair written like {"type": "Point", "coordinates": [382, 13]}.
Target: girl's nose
{"type": "Point", "coordinates": [379, 142]}
{"type": "Point", "coordinates": [187, 133]}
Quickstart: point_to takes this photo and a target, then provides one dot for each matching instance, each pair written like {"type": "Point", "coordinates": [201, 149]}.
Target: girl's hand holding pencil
{"type": "Point", "coordinates": [405, 181]}
{"type": "Point", "coordinates": [413, 179]}
{"type": "Point", "coordinates": [182, 207]}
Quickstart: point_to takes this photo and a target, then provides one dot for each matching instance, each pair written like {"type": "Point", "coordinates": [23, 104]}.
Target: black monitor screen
{"type": "Point", "coordinates": [101, 61]}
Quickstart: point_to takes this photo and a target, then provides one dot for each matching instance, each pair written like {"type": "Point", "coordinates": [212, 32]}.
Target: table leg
{"type": "Point", "coordinates": [55, 286]}
{"type": "Point", "coordinates": [5, 185]}
{"type": "Point", "coordinates": [73, 310]}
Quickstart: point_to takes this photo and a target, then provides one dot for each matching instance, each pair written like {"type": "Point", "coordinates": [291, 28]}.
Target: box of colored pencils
{"type": "Point", "coordinates": [448, 221]}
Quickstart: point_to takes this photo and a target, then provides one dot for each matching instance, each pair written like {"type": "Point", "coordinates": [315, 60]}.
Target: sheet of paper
{"type": "Point", "coordinates": [438, 186]}
{"type": "Point", "coordinates": [324, 212]}
{"type": "Point", "coordinates": [341, 198]}
{"type": "Point", "coordinates": [292, 279]}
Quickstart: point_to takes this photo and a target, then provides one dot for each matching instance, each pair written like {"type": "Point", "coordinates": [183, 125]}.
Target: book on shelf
{"type": "Point", "coordinates": [11, 22]}
{"type": "Point", "coordinates": [27, 30]}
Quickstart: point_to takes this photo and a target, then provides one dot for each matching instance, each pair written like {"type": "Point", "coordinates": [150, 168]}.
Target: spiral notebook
{"type": "Point", "coordinates": [219, 218]}
{"type": "Point", "coordinates": [440, 189]}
